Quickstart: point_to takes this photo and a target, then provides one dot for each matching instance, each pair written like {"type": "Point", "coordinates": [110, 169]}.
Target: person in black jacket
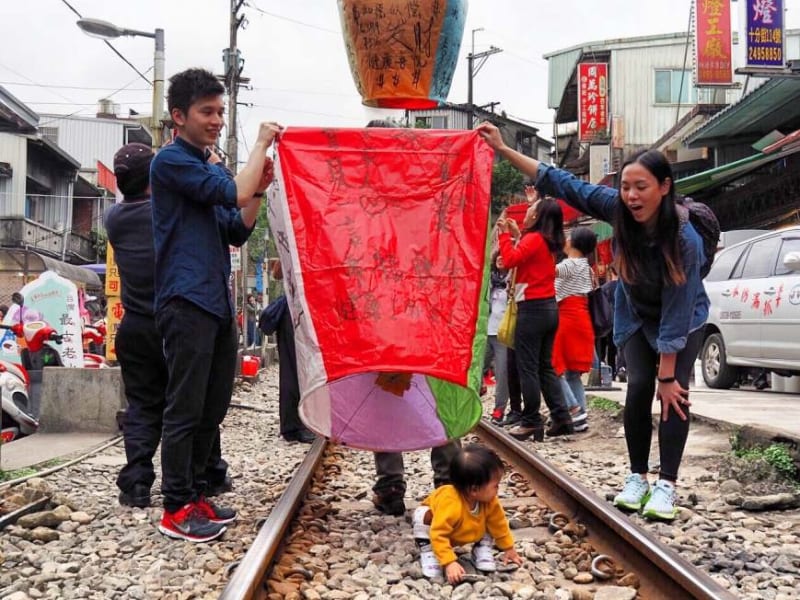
{"type": "Point", "coordinates": [129, 225]}
{"type": "Point", "coordinates": [292, 428]}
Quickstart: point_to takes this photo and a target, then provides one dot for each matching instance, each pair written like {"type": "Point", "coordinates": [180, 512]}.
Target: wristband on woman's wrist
{"type": "Point", "coordinates": [666, 379]}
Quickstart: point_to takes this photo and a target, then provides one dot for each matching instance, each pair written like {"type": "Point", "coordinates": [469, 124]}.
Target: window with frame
{"type": "Point", "coordinates": [669, 89]}
{"type": "Point", "coordinates": [761, 259]}
{"type": "Point", "coordinates": [432, 122]}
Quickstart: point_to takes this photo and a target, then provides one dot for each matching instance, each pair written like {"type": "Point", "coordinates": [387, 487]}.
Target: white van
{"type": "Point", "coordinates": [754, 320]}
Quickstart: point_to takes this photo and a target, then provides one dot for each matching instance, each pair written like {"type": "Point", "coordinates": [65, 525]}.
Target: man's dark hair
{"type": "Point", "coordinates": [474, 466]}
{"type": "Point", "coordinates": [189, 86]}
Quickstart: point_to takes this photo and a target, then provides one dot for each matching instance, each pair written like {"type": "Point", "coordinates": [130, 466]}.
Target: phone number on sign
{"type": "Point", "coordinates": [770, 53]}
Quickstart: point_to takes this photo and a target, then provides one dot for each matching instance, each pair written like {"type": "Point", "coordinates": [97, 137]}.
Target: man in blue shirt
{"type": "Point", "coordinates": [129, 225]}
{"type": "Point", "coordinates": [199, 210]}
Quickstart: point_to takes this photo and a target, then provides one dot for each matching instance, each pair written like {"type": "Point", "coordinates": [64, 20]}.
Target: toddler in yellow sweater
{"type": "Point", "coordinates": [465, 512]}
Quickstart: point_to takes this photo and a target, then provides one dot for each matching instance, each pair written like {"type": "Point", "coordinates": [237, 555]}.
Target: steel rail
{"type": "Point", "coordinates": [663, 574]}
{"type": "Point", "coordinates": [256, 563]}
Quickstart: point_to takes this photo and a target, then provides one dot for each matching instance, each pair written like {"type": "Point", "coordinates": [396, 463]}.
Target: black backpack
{"type": "Point", "coordinates": [705, 223]}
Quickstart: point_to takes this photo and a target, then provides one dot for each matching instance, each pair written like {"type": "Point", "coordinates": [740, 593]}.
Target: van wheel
{"type": "Point", "coordinates": [717, 373]}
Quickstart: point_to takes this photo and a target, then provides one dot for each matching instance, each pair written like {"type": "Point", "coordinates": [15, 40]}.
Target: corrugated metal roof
{"type": "Point", "coordinates": [719, 175]}
{"type": "Point", "coordinates": [15, 112]}
{"type": "Point", "coordinates": [775, 104]}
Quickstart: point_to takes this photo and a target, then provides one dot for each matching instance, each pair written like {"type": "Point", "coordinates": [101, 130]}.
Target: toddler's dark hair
{"type": "Point", "coordinates": [474, 466]}
{"type": "Point", "coordinates": [584, 240]}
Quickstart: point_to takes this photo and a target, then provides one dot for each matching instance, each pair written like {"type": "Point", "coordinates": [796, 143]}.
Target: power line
{"type": "Point", "coordinates": [73, 87]}
{"type": "Point", "coordinates": [290, 20]}
{"type": "Point", "coordinates": [306, 112]}
{"type": "Point", "coordinates": [78, 103]}
{"type": "Point", "coordinates": [110, 45]}
{"type": "Point", "coordinates": [60, 95]}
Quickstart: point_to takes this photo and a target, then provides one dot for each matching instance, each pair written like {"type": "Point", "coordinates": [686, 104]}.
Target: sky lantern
{"type": "Point", "coordinates": [403, 54]}
{"type": "Point", "coordinates": [383, 240]}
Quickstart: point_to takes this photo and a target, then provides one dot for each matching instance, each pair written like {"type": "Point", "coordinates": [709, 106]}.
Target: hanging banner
{"type": "Point", "coordinates": [764, 34]}
{"type": "Point", "coordinates": [383, 240]}
{"type": "Point", "coordinates": [592, 101]}
{"type": "Point", "coordinates": [713, 54]}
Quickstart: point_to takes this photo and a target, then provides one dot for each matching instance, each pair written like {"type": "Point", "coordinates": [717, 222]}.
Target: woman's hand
{"type": "Point", "coordinates": [672, 395]}
{"type": "Point", "coordinates": [513, 228]}
{"type": "Point", "coordinates": [502, 224]}
{"type": "Point", "coordinates": [531, 194]}
{"type": "Point", "coordinates": [454, 572]}
{"type": "Point", "coordinates": [491, 134]}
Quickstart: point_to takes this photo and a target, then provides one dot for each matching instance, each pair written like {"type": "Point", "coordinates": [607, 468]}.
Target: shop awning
{"type": "Point", "coordinates": [774, 105]}
{"type": "Point", "coordinates": [726, 173]}
{"type": "Point", "coordinates": [32, 263]}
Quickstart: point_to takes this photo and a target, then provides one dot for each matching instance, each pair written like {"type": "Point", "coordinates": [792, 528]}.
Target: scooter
{"type": "Point", "coordinates": [20, 383]}
{"type": "Point", "coordinates": [94, 336]}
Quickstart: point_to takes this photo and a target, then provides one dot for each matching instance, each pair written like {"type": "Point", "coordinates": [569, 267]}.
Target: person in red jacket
{"type": "Point", "coordinates": [537, 316]}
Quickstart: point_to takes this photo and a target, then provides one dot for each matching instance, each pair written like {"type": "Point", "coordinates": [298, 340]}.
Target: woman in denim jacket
{"type": "Point", "coordinates": [659, 311]}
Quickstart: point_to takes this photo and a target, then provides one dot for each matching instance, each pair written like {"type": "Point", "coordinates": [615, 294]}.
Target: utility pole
{"type": "Point", "coordinates": [472, 71]}
{"type": "Point", "coordinates": [233, 64]}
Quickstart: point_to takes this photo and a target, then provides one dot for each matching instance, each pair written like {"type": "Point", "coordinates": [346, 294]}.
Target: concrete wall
{"type": "Point", "coordinates": [75, 400]}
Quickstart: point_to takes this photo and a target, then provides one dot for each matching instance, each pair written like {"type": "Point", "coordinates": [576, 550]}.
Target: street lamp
{"type": "Point", "coordinates": [108, 31]}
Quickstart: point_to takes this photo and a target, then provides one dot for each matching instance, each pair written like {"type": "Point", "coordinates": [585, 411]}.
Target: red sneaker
{"type": "Point", "coordinates": [214, 513]}
{"type": "Point", "coordinates": [188, 523]}
{"type": "Point", "coordinates": [497, 416]}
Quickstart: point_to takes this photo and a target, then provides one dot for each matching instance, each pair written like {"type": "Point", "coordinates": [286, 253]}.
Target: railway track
{"type": "Point", "coordinates": [620, 551]}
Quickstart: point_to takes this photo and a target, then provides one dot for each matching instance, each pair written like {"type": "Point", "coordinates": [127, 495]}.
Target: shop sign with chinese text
{"type": "Point", "coordinates": [764, 34]}
{"type": "Point", "coordinates": [714, 63]}
{"type": "Point", "coordinates": [592, 101]}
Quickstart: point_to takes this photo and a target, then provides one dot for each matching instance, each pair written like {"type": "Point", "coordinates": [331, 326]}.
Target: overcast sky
{"type": "Point", "coordinates": [294, 53]}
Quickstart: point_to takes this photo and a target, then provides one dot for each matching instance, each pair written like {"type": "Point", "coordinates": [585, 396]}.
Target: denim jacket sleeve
{"type": "Point", "coordinates": [599, 201]}
{"type": "Point", "coordinates": [684, 308]}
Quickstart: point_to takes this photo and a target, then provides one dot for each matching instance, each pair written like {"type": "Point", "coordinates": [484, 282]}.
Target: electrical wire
{"type": "Point", "coordinates": [306, 112]}
{"type": "Point", "coordinates": [289, 19]}
{"type": "Point", "coordinates": [110, 45]}
{"type": "Point", "coordinates": [74, 87]}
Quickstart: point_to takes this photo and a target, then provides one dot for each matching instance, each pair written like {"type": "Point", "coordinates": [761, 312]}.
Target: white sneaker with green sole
{"type": "Point", "coordinates": [661, 504]}
{"type": "Point", "coordinates": [634, 494]}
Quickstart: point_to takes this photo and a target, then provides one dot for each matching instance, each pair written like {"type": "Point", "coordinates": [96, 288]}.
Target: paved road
{"type": "Point", "coordinates": [738, 406]}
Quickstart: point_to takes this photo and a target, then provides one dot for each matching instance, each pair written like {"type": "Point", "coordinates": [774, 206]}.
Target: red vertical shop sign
{"type": "Point", "coordinates": [592, 101]}
{"type": "Point", "coordinates": [714, 62]}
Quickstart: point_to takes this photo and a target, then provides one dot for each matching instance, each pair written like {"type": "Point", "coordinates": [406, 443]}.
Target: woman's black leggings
{"type": "Point", "coordinates": [537, 322]}
{"type": "Point", "coordinates": [642, 366]}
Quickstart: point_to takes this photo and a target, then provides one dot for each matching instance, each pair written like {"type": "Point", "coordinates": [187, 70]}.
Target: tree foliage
{"type": "Point", "coordinates": [507, 182]}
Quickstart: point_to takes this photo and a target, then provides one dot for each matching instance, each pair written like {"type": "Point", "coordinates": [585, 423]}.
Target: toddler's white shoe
{"type": "Point", "coordinates": [483, 555]}
{"type": "Point", "coordinates": [430, 564]}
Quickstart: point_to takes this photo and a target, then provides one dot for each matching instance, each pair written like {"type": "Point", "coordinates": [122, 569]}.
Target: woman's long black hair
{"type": "Point", "coordinates": [550, 224]}
{"type": "Point", "coordinates": [631, 237]}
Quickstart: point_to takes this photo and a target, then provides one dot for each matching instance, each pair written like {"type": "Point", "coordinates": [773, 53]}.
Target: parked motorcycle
{"type": "Point", "coordinates": [20, 383]}
{"type": "Point", "coordinates": [94, 337]}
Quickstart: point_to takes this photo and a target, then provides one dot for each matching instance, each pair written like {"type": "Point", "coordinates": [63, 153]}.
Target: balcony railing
{"type": "Point", "coordinates": [17, 232]}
